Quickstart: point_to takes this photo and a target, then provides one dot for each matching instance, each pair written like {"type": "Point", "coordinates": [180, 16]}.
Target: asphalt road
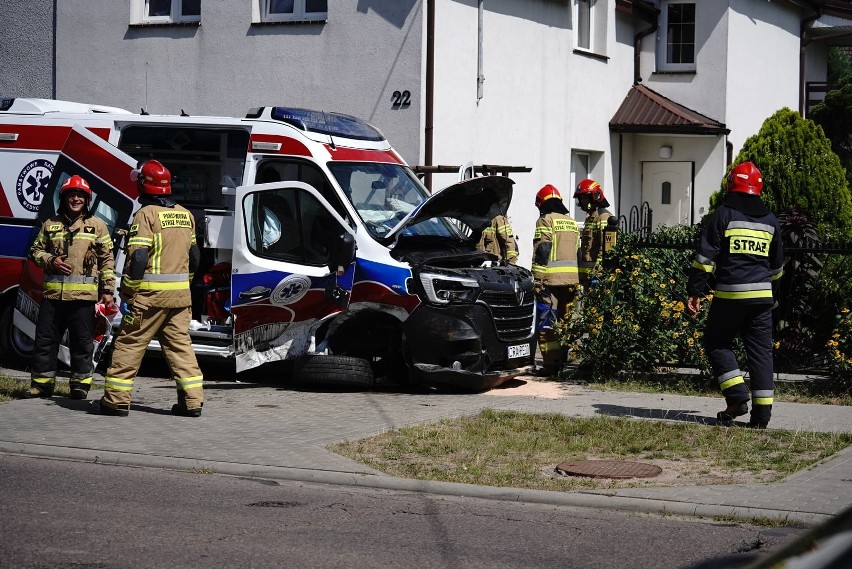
{"type": "Point", "coordinates": [71, 514]}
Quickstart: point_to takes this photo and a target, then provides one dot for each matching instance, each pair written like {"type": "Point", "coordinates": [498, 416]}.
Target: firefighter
{"type": "Point", "coordinates": [75, 250]}
{"type": "Point", "coordinates": [161, 256]}
{"type": "Point", "coordinates": [741, 246]}
{"type": "Point", "coordinates": [499, 239]}
{"type": "Point", "coordinates": [554, 268]}
{"type": "Point", "coordinates": [599, 230]}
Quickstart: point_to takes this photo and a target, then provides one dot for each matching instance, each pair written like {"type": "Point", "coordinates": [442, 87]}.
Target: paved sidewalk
{"type": "Point", "coordinates": [279, 433]}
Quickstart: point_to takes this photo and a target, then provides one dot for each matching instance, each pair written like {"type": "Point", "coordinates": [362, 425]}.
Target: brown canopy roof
{"type": "Point", "coordinates": [646, 111]}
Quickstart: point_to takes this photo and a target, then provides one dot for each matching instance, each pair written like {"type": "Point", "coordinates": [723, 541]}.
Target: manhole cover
{"type": "Point", "coordinates": [608, 469]}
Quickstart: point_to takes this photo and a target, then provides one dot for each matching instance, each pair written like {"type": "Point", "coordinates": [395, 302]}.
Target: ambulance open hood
{"type": "Point", "coordinates": [474, 202]}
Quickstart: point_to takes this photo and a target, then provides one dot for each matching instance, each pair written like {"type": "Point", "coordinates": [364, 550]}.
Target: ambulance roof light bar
{"type": "Point", "coordinates": [332, 124]}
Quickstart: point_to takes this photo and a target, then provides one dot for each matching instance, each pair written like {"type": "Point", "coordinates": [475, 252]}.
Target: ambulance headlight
{"type": "Point", "coordinates": [445, 289]}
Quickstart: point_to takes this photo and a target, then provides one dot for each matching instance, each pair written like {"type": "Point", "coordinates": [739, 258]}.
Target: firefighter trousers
{"type": "Point", "coordinates": [553, 351]}
{"type": "Point", "coordinates": [171, 327]}
{"type": "Point", "coordinates": [54, 317]}
{"type": "Point", "coordinates": [753, 324]}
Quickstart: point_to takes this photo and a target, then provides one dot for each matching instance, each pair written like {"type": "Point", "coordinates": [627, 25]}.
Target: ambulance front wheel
{"type": "Point", "coordinates": [15, 346]}
{"type": "Point", "coordinates": [333, 370]}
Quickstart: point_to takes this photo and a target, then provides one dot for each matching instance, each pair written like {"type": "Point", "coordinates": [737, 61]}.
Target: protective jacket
{"type": "Point", "coordinates": [499, 239]}
{"type": "Point", "coordinates": [595, 240]}
{"type": "Point", "coordinates": [88, 245]}
{"type": "Point", "coordinates": [555, 250]}
{"type": "Point", "coordinates": [741, 246]}
{"type": "Point", "coordinates": [162, 254]}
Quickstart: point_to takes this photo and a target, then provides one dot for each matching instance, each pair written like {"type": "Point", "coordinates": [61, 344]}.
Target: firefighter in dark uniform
{"type": "Point", "coordinates": [599, 232]}
{"type": "Point", "coordinates": [162, 254]}
{"type": "Point", "coordinates": [554, 269]}
{"type": "Point", "coordinates": [741, 246]}
{"type": "Point", "coordinates": [75, 250]}
{"type": "Point", "coordinates": [499, 239]}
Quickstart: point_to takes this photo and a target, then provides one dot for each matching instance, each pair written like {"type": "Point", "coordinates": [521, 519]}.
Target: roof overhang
{"type": "Point", "coordinates": [646, 111]}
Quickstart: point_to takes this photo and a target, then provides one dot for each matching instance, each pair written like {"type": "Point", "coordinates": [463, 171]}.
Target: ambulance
{"type": "Point", "coordinates": [319, 244]}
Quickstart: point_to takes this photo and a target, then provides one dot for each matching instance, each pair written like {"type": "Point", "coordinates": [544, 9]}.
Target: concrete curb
{"type": "Point", "coordinates": [574, 499]}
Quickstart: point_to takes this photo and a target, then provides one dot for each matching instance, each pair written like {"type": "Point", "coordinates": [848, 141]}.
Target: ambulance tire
{"type": "Point", "coordinates": [15, 347]}
{"type": "Point", "coordinates": [329, 370]}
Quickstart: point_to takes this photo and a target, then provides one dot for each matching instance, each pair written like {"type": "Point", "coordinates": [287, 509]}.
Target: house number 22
{"type": "Point", "coordinates": [400, 99]}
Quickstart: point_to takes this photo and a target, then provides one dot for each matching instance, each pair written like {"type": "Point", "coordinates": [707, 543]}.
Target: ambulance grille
{"type": "Point", "coordinates": [513, 322]}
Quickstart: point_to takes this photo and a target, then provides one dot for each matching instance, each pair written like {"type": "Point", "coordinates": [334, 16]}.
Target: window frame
{"type": "Point", "coordinates": [262, 15]}
{"type": "Point", "coordinates": [139, 14]}
{"type": "Point", "coordinates": [663, 63]}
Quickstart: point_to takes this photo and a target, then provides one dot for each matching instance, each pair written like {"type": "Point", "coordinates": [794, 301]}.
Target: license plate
{"type": "Point", "coordinates": [519, 351]}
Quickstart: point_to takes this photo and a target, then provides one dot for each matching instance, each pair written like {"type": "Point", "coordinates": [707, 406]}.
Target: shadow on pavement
{"type": "Point", "coordinates": [685, 415]}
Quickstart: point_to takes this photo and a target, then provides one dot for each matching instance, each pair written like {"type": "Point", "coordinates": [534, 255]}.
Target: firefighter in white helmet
{"type": "Point", "coordinates": [75, 250]}
{"type": "Point", "coordinates": [162, 255]}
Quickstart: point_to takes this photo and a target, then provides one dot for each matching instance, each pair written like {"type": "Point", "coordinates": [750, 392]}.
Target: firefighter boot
{"type": "Point", "coordinates": [180, 409]}
{"type": "Point", "coordinates": [98, 407]}
{"type": "Point", "coordinates": [730, 413]}
{"type": "Point", "coordinates": [35, 392]}
{"type": "Point", "coordinates": [78, 391]}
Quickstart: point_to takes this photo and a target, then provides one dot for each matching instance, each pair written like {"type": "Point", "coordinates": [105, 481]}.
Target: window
{"type": "Point", "coordinates": [289, 11]}
{"type": "Point", "coordinates": [288, 225]}
{"type": "Point", "coordinates": [666, 197]}
{"type": "Point", "coordinates": [165, 11]}
{"type": "Point", "coordinates": [590, 17]}
{"type": "Point", "coordinates": [676, 43]}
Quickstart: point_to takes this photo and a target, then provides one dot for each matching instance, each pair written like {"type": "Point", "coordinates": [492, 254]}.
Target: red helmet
{"type": "Point", "coordinates": [589, 187]}
{"type": "Point", "coordinates": [745, 178]}
{"type": "Point", "coordinates": [546, 193]}
{"type": "Point", "coordinates": [154, 179]}
{"type": "Point", "coordinates": [76, 182]}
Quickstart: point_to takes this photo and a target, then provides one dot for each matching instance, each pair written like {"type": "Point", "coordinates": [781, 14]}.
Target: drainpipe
{"type": "Point", "coordinates": [53, 71]}
{"type": "Point", "coordinates": [803, 47]}
{"type": "Point", "coordinates": [480, 77]}
{"type": "Point", "coordinates": [620, 171]}
{"type": "Point", "coordinates": [430, 89]}
{"type": "Point", "coordinates": [637, 43]}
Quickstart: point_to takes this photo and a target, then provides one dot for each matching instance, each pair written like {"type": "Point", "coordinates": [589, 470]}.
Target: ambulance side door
{"type": "Point", "coordinates": [292, 268]}
{"type": "Point", "coordinates": [107, 170]}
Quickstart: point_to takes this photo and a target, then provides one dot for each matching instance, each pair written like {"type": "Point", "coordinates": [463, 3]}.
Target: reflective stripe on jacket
{"type": "Point", "coordinates": [499, 239]}
{"type": "Point", "coordinates": [594, 241]}
{"type": "Point", "coordinates": [555, 250]}
{"type": "Point", "coordinates": [161, 238]}
{"type": "Point", "coordinates": [744, 253]}
{"type": "Point", "coordinates": [87, 244]}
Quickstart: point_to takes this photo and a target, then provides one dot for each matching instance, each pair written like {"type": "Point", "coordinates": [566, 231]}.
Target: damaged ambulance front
{"type": "Point", "coordinates": [474, 327]}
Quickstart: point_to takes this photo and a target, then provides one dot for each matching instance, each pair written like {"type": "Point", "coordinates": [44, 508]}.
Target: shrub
{"type": "Point", "coordinates": [840, 352]}
{"type": "Point", "coordinates": [634, 319]}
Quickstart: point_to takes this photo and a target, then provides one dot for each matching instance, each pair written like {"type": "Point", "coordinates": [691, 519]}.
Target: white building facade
{"type": "Point", "coordinates": [650, 98]}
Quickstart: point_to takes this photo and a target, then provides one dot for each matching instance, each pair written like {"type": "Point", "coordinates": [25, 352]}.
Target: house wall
{"type": "Point", "coordinates": [26, 48]}
{"type": "Point", "coordinates": [351, 64]}
{"type": "Point", "coordinates": [760, 81]}
{"type": "Point", "coordinates": [541, 100]}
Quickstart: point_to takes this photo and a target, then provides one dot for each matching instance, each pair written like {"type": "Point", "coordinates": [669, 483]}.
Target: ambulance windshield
{"type": "Point", "coordinates": [384, 194]}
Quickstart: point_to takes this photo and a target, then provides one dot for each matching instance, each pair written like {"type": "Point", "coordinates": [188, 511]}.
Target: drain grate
{"type": "Point", "coordinates": [608, 469]}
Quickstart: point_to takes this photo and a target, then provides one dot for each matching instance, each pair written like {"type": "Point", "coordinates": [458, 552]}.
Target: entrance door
{"type": "Point", "coordinates": [285, 281]}
{"type": "Point", "coordinates": [667, 187]}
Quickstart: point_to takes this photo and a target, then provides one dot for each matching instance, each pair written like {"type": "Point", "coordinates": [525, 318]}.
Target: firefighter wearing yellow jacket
{"type": "Point", "coordinates": [161, 256]}
{"type": "Point", "coordinates": [554, 269]}
{"type": "Point", "coordinates": [599, 229]}
{"type": "Point", "coordinates": [75, 250]}
{"type": "Point", "coordinates": [741, 246]}
{"type": "Point", "coordinates": [499, 239]}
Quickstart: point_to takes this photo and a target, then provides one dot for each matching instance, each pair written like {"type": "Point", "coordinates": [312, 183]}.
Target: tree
{"type": "Point", "coordinates": [834, 115]}
{"type": "Point", "coordinates": [800, 170]}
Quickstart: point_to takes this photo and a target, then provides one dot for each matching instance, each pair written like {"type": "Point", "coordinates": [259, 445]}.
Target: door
{"type": "Point", "coordinates": [107, 170]}
{"type": "Point", "coordinates": [667, 187]}
{"type": "Point", "coordinates": [286, 280]}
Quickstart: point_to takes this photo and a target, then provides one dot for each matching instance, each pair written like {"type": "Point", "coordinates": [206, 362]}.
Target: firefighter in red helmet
{"type": "Point", "coordinates": [554, 269]}
{"type": "Point", "coordinates": [741, 246]}
{"type": "Point", "coordinates": [162, 255]}
{"type": "Point", "coordinates": [75, 250]}
{"type": "Point", "coordinates": [599, 232]}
